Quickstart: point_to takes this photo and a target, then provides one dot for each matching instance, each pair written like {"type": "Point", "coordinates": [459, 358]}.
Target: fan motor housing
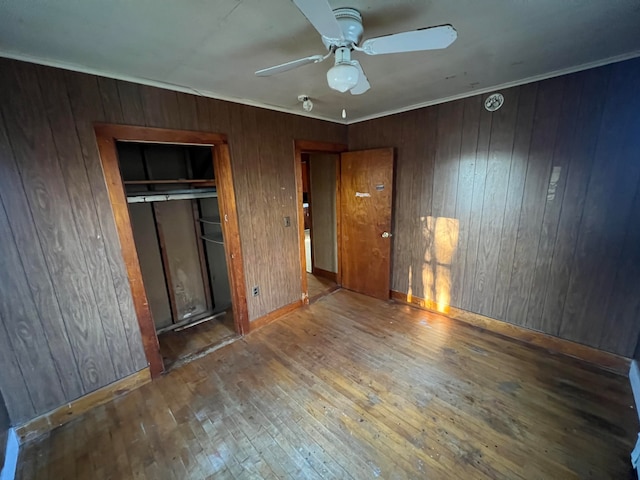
{"type": "Point", "coordinates": [350, 22]}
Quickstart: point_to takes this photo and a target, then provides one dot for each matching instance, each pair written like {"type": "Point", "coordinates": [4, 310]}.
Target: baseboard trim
{"type": "Point", "coordinates": [333, 276]}
{"type": "Point", "coordinates": [65, 413]}
{"type": "Point", "coordinates": [273, 316]}
{"type": "Point", "coordinates": [606, 360]}
{"type": "Point", "coordinates": [10, 464]}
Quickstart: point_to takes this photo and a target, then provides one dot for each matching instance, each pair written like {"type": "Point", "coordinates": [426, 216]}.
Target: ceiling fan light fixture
{"type": "Point", "coordinates": [343, 77]}
{"type": "Point", "coordinates": [341, 30]}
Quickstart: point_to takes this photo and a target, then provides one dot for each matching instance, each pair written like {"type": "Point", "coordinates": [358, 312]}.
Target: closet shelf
{"type": "Point", "coordinates": [209, 182]}
{"type": "Point", "coordinates": [145, 197]}
{"type": "Point", "coordinates": [213, 238]}
{"type": "Point", "coordinates": [210, 220]}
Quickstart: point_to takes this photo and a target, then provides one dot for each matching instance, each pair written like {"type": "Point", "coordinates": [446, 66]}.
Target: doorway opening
{"type": "Point", "coordinates": [319, 196]}
{"type": "Point", "coordinates": [174, 205]}
{"type": "Point", "coordinates": [318, 167]}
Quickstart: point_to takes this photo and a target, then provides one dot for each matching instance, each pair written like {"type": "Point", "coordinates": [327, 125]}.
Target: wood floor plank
{"type": "Point", "coordinates": [318, 457]}
{"type": "Point", "coordinates": [285, 409]}
{"type": "Point", "coordinates": [353, 387]}
{"type": "Point", "coordinates": [483, 375]}
{"type": "Point", "coordinates": [403, 405]}
{"type": "Point", "coordinates": [395, 413]}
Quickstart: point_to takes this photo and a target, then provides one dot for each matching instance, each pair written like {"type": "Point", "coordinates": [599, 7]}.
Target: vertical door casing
{"type": "Point", "coordinates": [231, 235]}
{"type": "Point", "coordinates": [366, 195]}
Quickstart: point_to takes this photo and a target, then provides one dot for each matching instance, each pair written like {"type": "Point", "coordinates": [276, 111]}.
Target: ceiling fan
{"type": "Point", "coordinates": [341, 31]}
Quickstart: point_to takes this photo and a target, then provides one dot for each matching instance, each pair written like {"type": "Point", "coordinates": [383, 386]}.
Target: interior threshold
{"type": "Point", "coordinates": [191, 322]}
{"type": "Point", "coordinates": [200, 353]}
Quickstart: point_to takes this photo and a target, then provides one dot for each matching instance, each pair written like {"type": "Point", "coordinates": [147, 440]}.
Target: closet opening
{"type": "Point", "coordinates": [177, 229]}
{"type": "Point", "coordinates": [174, 206]}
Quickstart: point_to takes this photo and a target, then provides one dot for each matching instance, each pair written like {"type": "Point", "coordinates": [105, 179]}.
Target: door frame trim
{"type": "Point", "coordinates": [311, 146]}
{"type": "Point", "coordinates": [106, 137]}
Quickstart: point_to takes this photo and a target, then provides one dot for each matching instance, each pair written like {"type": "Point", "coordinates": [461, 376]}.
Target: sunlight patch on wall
{"type": "Point", "coordinates": [441, 234]}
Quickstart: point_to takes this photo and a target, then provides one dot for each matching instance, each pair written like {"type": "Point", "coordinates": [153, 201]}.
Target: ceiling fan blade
{"type": "Point", "coordinates": [432, 38]}
{"type": "Point", "coordinates": [321, 16]}
{"type": "Point", "coordinates": [363, 84]}
{"type": "Point", "coordinates": [267, 72]}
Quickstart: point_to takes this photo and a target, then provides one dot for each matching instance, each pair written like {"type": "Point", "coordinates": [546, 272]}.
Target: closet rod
{"type": "Point", "coordinates": [217, 240]}
{"type": "Point", "coordinates": [210, 220]}
{"type": "Point", "coordinates": [165, 197]}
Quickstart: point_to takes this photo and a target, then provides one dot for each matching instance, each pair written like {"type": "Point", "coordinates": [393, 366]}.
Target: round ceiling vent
{"type": "Point", "coordinates": [494, 102]}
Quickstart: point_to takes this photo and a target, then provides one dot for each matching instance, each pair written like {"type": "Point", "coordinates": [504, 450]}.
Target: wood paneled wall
{"type": "Point", "coordinates": [68, 322]}
{"type": "Point", "coordinates": [478, 224]}
{"type": "Point", "coordinates": [565, 262]}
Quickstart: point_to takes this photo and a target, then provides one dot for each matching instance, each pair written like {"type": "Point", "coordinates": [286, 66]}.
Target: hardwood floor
{"type": "Point", "coordinates": [319, 286]}
{"type": "Point", "coordinates": [180, 345]}
{"type": "Point", "coordinates": [353, 387]}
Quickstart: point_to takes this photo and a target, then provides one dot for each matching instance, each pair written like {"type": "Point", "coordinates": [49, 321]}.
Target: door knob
{"type": "Point", "coordinates": [386, 234]}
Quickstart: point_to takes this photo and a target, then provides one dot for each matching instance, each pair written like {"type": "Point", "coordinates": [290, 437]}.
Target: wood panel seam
{"type": "Point", "coordinates": [28, 204]}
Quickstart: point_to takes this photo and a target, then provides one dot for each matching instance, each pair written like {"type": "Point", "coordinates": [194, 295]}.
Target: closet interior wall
{"type": "Point", "coordinates": [179, 241]}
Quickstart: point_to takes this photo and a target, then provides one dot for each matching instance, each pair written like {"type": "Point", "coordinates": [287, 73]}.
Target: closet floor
{"type": "Point", "coordinates": [178, 347]}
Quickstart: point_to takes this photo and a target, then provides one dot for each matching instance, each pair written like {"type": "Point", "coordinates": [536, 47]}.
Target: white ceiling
{"type": "Point", "coordinates": [214, 47]}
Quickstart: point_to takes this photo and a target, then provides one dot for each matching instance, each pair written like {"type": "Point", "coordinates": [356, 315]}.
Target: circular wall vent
{"type": "Point", "coordinates": [494, 102]}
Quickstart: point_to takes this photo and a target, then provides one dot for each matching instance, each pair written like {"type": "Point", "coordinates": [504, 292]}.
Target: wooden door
{"type": "Point", "coordinates": [366, 193]}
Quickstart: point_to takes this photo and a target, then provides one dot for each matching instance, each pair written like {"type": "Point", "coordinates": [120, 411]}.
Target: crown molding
{"type": "Point", "coordinates": [155, 83]}
{"type": "Point", "coordinates": [502, 86]}
{"type": "Point", "coordinates": [253, 103]}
